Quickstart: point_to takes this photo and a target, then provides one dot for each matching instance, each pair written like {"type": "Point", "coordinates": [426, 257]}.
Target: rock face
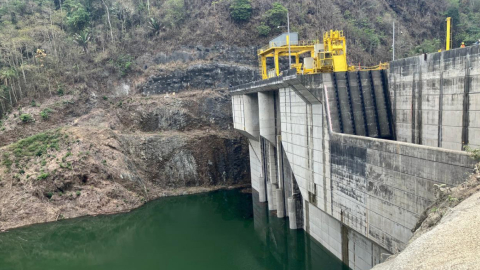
{"type": "Point", "coordinates": [198, 67]}
{"type": "Point", "coordinates": [175, 161]}
{"type": "Point", "coordinates": [119, 155]}
{"type": "Point", "coordinates": [201, 111]}
{"type": "Point", "coordinates": [200, 76]}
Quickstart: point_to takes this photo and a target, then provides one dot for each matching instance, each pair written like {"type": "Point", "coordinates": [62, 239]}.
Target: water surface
{"type": "Point", "coordinates": [219, 230]}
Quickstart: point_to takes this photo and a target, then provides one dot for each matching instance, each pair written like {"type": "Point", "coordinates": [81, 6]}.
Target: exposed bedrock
{"type": "Point", "coordinates": [200, 76]}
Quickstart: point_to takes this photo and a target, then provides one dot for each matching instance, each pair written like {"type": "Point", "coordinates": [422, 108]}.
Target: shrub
{"type": "Point", "coordinates": [123, 64]}
{"type": "Point", "coordinates": [154, 26]}
{"type": "Point", "coordinates": [43, 176]}
{"type": "Point", "coordinates": [474, 153]}
{"type": "Point", "coordinates": [174, 12]}
{"type": "Point", "coordinates": [45, 113]}
{"type": "Point", "coordinates": [241, 10]}
{"type": "Point", "coordinates": [263, 29]}
{"type": "Point", "coordinates": [277, 15]}
{"type": "Point", "coordinates": [428, 46]}
{"type": "Point", "coordinates": [26, 118]}
{"type": "Point", "coordinates": [19, 6]}
{"type": "Point", "coordinates": [78, 193]}
{"type": "Point", "coordinates": [36, 145]}
{"type": "Point", "coordinates": [7, 162]}
{"type": "Point", "coordinates": [60, 91]}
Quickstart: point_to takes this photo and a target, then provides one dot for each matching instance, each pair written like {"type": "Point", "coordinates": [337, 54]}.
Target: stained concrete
{"type": "Point", "coordinates": [436, 100]}
{"type": "Point", "coordinates": [358, 196]}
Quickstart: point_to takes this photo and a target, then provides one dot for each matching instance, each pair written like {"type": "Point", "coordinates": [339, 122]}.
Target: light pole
{"type": "Point", "coordinates": [289, 41]}
{"type": "Point", "coordinates": [393, 46]}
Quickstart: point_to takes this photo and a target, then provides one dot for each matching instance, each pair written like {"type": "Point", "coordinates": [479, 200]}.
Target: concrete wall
{"type": "Point", "coordinates": [256, 167]}
{"type": "Point", "coordinates": [266, 104]}
{"type": "Point", "coordinates": [316, 182]}
{"type": "Point", "coordinates": [238, 112]}
{"type": "Point", "coordinates": [380, 188]}
{"type": "Point", "coordinates": [361, 196]}
{"type": "Point", "coordinates": [436, 98]}
{"type": "Point", "coordinates": [360, 252]}
{"type": "Point", "coordinates": [305, 135]}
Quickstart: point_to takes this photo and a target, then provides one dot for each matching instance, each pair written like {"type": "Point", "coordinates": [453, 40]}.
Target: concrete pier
{"type": "Point", "coordinates": [262, 192]}
{"type": "Point", "coordinates": [270, 197]}
{"type": "Point", "coordinates": [353, 158]}
{"type": "Point", "coordinates": [280, 203]}
{"type": "Point", "coordinates": [292, 214]}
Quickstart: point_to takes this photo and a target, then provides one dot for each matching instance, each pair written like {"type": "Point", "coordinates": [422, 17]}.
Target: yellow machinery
{"type": "Point", "coordinates": [448, 38]}
{"type": "Point", "coordinates": [331, 56]}
{"type": "Point", "coordinates": [277, 50]}
{"type": "Point", "coordinates": [449, 33]}
{"type": "Point", "coordinates": [334, 56]}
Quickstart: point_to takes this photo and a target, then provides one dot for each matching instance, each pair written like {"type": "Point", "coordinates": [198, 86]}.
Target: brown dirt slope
{"type": "Point", "coordinates": [119, 155]}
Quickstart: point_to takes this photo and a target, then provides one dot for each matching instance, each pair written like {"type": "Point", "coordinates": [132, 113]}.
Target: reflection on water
{"type": "Point", "coordinates": [289, 249]}
{"type": "Point", "coordinates": [218, 230]}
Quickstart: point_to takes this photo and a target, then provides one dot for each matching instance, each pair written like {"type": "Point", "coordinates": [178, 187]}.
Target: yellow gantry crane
{"type": "Point", "coordinates": [331, 56]}
{"type": "Point", "coordinates": [283, 47]}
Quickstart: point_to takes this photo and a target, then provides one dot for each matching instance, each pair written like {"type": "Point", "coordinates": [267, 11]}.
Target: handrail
{"type": "Point", "coordinates": [284, 44]}
{"type": "Point", "coordinates": [377, 67]}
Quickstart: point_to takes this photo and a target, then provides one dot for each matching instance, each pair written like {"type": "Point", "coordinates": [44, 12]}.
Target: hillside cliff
{"type": "Point", "coordinates": [51, 46]}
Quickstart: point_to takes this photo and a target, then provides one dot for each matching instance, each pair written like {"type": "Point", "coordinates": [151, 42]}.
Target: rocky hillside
{"type": "Point", "coordinates": [116, 156]}
{"type": "Point", "coordinates": [52, 46]}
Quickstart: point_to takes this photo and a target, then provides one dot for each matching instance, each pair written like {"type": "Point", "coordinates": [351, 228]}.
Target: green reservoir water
{"type": "Point", "coordinates": [218, 230]}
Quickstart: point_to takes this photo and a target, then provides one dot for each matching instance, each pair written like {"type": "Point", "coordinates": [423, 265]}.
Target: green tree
{"type": "Point", "coordinates": [77, 15]}
{"type": "Point", "coordinates": [427, 46]}
{"type": "Point", "coordinates": [263, 29]}
{"type": "Point", "coordinates": [174, 12]}
{"type": "Point", "coordinates": [82, 40]}
{"type": "Point", "coordinates": [241, 10]}
{"type": "Point", "coordinates": [277, 15]}
{"type": "Point", "coordinates": [8, 75]}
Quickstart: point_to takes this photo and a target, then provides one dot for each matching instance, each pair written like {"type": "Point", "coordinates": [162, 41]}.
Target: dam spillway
{"type": "Point", "coordinates": [353, 158]}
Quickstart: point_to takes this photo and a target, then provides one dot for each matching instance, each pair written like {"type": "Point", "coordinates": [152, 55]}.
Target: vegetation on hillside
{"type": "Point", "coordinates": [49, 47]}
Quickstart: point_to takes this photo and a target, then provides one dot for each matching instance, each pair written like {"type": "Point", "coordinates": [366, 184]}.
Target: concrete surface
{"type": "Point", "coordinates": [358, 196]}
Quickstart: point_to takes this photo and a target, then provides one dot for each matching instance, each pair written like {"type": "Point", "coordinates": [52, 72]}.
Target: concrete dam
{"type": "Point", "coordinates": [353, 158]}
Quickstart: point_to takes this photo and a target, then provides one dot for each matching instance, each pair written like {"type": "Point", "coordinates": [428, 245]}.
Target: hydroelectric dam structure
{"type": "Point", "coordinates": [353, 157]}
